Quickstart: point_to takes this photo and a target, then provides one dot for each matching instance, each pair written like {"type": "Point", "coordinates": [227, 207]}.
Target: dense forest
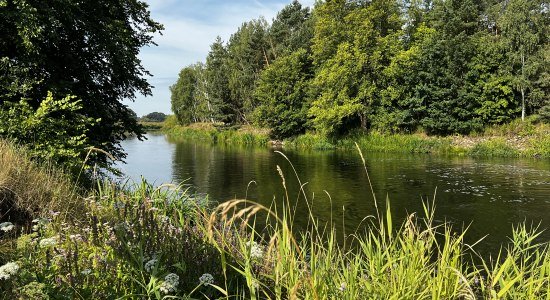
{"type": "Point", "coordinates": [441, 67]}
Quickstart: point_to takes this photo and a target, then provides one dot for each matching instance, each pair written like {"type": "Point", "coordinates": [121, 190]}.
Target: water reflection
{"type": "Point", "coordinates": [489, 194]}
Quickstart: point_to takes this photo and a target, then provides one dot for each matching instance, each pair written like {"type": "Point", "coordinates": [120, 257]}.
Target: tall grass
{"type": "Point", "coordinates": [415, 260]}
{"type": "Point", "coordinates": [29, 189]}
{"type": "Point", "coordinates": [206, 132]}
{"type": "Point", "coordinates": [145, 242]}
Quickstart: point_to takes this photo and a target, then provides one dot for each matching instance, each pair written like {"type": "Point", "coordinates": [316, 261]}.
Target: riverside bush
{"type": "Point", "coordinates": [55, 131]}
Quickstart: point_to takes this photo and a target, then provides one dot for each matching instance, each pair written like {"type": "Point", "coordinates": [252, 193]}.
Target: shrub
{"type": "Point", "coordinates": [55, 131]}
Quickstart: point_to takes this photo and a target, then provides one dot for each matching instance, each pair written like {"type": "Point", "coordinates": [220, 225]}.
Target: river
{"type": "Point", "coordinates": [489, 195]}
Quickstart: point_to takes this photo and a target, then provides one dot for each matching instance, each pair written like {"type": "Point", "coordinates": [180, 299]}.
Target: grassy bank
{"type": "Point", "coordinates": [152, 126]}
{"type": "Point", "coordinates": [143, 242]}
{"type": "Point", "coordinates": [28, 189]}
{"type": "Point", "coordinates": [243, 135]}
{"type": "Point", "coordinates": [516, 139]}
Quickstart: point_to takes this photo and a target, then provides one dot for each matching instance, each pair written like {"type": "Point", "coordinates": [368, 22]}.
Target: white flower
{"type": "Point", "coordinates": [256, 251]}
{"type": "Point", "coordinates": [86, 272]}
{"type": "Point", "coordinates": [6, 226]}
{"type": "Point", "coordinates": [46, 243]}
{"type": "Point", "coordinates": [9, 269]}
{"type": "Point", "coordinates": [170, 284]}
{"type": "Point", "coordinates": [75, 237]}
{"type": "Point", "coordinates": [150, 265]}
{"type": "Point", "coordinates": [342, 287]}
{"type": "Point", "coordinates": [206, 279]}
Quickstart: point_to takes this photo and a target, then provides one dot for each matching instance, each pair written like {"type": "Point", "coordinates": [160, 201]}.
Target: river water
{"type": "Point", "coordinates": [489, 195]}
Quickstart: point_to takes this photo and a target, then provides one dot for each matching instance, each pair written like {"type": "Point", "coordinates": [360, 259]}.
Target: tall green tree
{"type": "Point", "coordinates": [524, 26]}
{"type": "Point", "coordinates": [348, 83]}
{"type": "Point", "coordinates": [248, 51]}
{"type": "Point", "coordinates": [282, 94]}
{"type": "Point", "coordinates": [218, 82]}
{"type": "Point", "coordinates": [88, 49]}
{"type": "Point", "coordinates": [183, 96]}
{"type": "Point", "coordinates": [445, 65]}
{"type": "Point", "coordinates": [291, 30]}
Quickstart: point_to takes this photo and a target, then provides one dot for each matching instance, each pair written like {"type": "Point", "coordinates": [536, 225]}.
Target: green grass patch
{"type": "Point", "coordinates": [207, 132]}
{"type": "Point", "coordinates": [152, 126]}
{"type": "Point", "coordinates": [515, 139]}
{"type": "Point", "coordinates": [494, 147]}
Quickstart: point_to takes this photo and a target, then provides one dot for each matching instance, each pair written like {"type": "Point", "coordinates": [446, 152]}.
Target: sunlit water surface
{"type": "Point", "coordinates": [488, 195]}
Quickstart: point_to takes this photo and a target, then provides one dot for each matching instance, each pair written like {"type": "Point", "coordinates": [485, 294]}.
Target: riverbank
{"type": "Point", "coordinates": [151, 126]}
{"type": "Point", "coordinates": [516, 139]}
{"type": "Point", "coordinates": [147, 242]}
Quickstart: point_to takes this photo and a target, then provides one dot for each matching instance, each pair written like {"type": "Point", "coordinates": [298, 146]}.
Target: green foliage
{"type": "Point", "coordinates": [291, 30]}
{"type": "Point", "coordinates": [525, 25]}
{"type": "Point", "coordinates": [56, 131]}
{"type": "Point", "coordinates": [182, 97]}
{"type": "Point", "coordinates": [494, 147]}
{"type": "Point", "coordinates": [154, 117]}
{"type": "Point", "coordinates": [337, 85]}
{"type": "Point", "coordinates": [443, 67]}
{"type": "Point", "coordinates": [282, 95]}
{"type": "Point", "coordinates": [209, 133]}
{"type": "Point", "coordinates": [87, 49]}
{"type": "Point", "coordinates": [126, 246]}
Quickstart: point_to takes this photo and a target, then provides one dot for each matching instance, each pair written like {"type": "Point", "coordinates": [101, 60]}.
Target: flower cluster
{"type": "Point", "coordinates": [150, 265]}
{"type": "Point", "coordinates": [170, 284]}
{"type": "Point", "coordinates": [8, 270]}
{"type": "Point", "coordinates": [6, 226]}
{"type": "Point", "coordinates": [256, 251]}
{"type": "Point", "coordinates": [39, 223]}
{"type": "Point", "coordinates": [49, 242]}
{"type": "Point", "coordinates": [206, 279]}
{"type": "Point", "coordinates": [86, 272]}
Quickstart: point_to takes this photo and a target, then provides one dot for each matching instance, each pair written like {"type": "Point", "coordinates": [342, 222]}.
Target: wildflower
{"type": "Point", "coordinates": [119, 205]}
{"type": "Point", "coordinates": [49, 242]}
{"type": "Point", "coordinates": [170, 284]}
{"type": "Point", "coordinates": [75, 237]}
{"type": "Point", "coordinates": [342, 287]}
{"type": "Point", "coordinates": [39, 223]}
{"type": "Point", "coordinates": [8, 270]}
{"type": "Point", "coordinates": [256, 251]}
{"type": "Point", "coordinates": [86, 272]}
{"type": "Point", "coordinates": [150, 265]}
{"type": "Point", "coordinates": [6, 226]}
{"type": "Point", "coordinates": [206, 279]}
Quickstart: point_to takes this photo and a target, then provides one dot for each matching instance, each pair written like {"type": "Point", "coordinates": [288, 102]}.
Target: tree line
{"type": "Point", "coordinates": [443, 66]}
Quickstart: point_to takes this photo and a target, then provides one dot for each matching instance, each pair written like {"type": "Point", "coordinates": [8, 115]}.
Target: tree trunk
{"type": "Point", "coordinates": [363, 119]}
{"type": "Point", "coordinates": [522, 104]}
{"type": "Point", "coordinates": [522, 87]}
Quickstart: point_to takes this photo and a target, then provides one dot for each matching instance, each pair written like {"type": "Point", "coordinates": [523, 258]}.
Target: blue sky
{"type": "Point", "coordinates": [190, 28]}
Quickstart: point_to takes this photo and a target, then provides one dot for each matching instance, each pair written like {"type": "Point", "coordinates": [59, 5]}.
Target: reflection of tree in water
{"type": "Point", "coordinates": [466, 188]}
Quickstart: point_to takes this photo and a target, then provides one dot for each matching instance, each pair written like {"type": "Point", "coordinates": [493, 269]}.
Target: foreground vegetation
{"type": "Point", "coordinates": [515, 139]}
{"type": "Point", "coordinates": [142, 242]}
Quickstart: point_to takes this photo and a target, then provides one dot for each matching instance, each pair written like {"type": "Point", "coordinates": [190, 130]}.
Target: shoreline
{"type": "Point", "coordinates": [512, 140]}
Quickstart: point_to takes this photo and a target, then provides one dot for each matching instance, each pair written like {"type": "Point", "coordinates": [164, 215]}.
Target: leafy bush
{"type": "Point", "coordinates": [55, 131]}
